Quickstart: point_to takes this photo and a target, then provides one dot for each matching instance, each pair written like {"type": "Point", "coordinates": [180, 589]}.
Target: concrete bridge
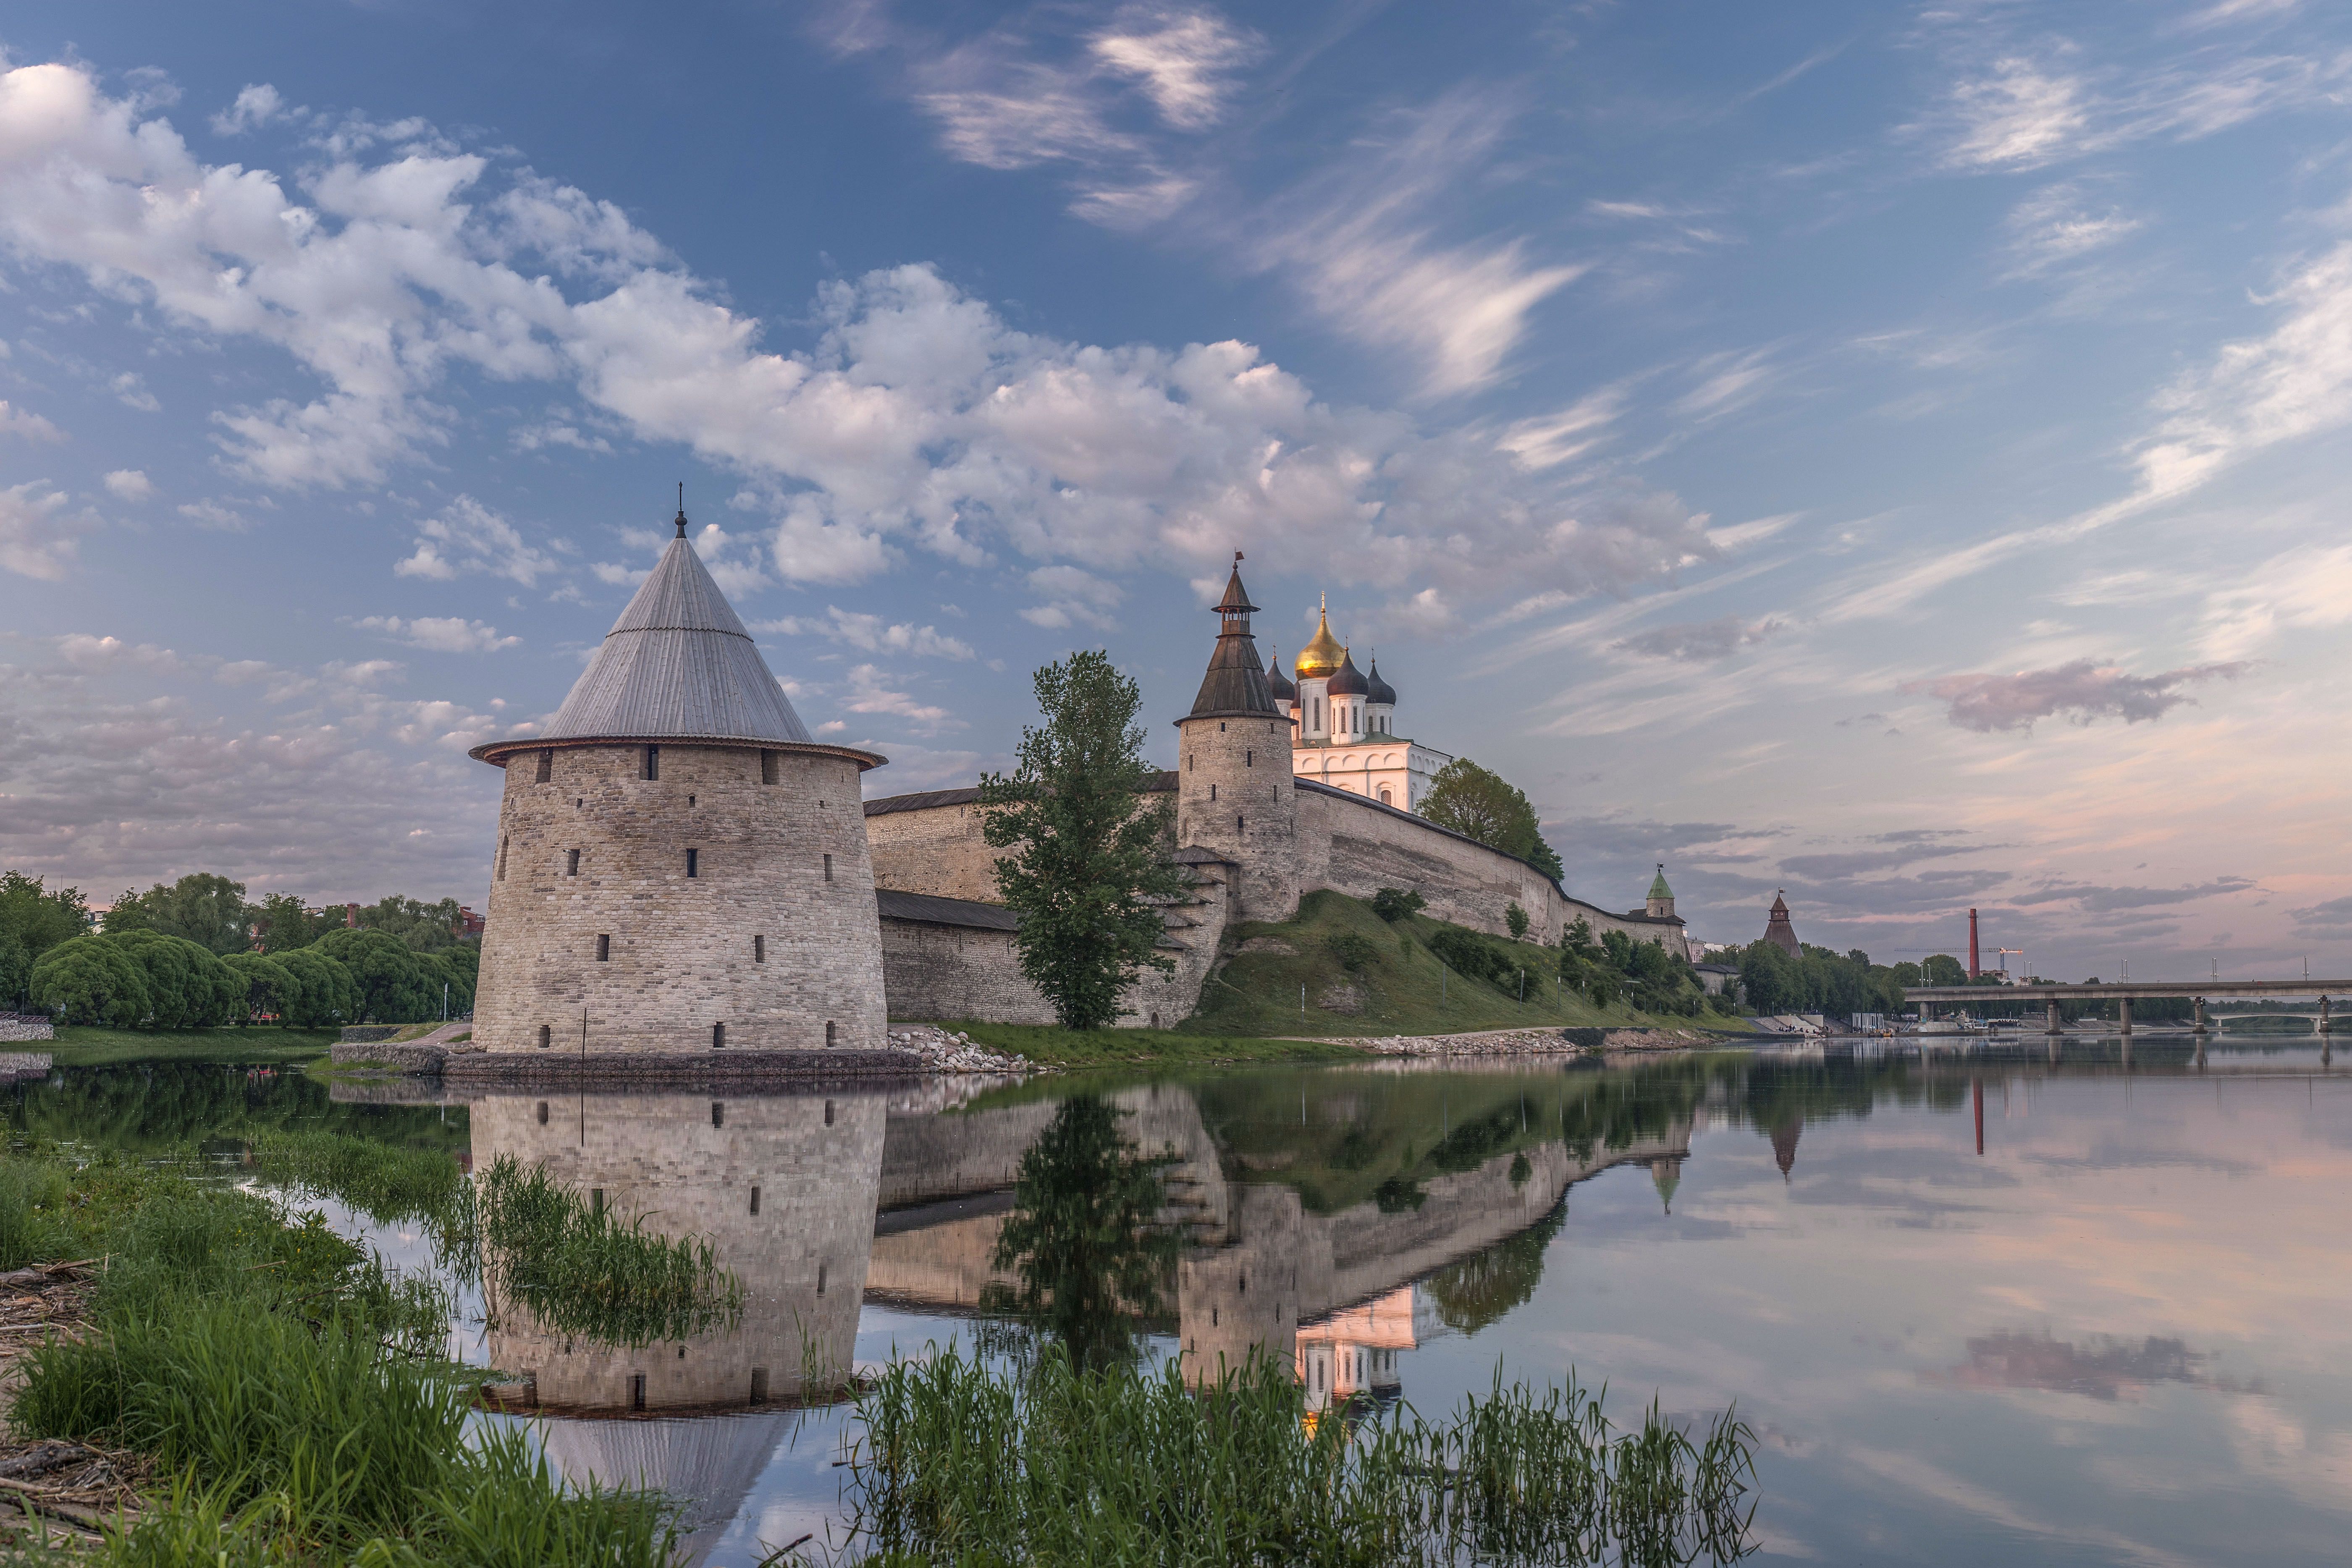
{"type": "Point", "coordinates": [2122, 992]}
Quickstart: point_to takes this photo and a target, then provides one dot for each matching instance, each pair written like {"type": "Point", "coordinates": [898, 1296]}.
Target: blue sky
{"type": "Point", "coordinates": [1896, 456]}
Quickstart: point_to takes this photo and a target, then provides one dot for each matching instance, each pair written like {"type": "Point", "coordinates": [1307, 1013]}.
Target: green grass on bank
{"type": "Point", "coordinates": [1052, 1047]}
{"type": "Point", "coordinates": [81, 1045]}
{"type": "Point", "coordinates": [1399, 988]}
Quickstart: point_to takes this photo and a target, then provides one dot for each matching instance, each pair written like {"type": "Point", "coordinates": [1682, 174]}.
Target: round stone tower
{"type": "Point", "coordinates": [1233, 792]}
{"type": "Point", "coordinates": [679, 867]}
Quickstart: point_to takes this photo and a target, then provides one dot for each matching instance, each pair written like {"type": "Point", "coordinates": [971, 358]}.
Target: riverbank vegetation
{"type": "Point", "coordinates": [88, 1045]}
{"type": "Point", "coordinates": [287, 1394]}
{"type": "Point", "coordinates": [958, 1462]}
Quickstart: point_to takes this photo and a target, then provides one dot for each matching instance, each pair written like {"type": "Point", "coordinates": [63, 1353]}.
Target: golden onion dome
{"type": "Point", "coordinates": [1323, 654]}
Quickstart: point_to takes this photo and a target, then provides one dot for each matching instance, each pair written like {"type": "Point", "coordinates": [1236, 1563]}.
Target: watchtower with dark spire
{"type": "Point", "coordinates": [680, 866]}
{"type": "Point", "coordinates": [1778, 930]}
{"type": "Point", "coordinates": [1233, 793]}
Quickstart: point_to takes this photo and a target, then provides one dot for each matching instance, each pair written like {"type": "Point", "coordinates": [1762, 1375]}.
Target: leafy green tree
{"type": "Point", "coordinates": [36, 919]}
{"type": "Point", "coordinates": [91, 981]}
{"type": "Point", "coordinates": [463, 964]}
{"type": "Point", "coordinates": [1089, 872]}
{"type": "Point", "coordinates": [1083, 1238]}
{"type": "Point", "coordinates": [325, 995]}
{"type": "Point", "coordinates": [426, 927]}
{"type": "Point", "coordinates": [1392, 904]}
{"type": "Point", "coordinates": [396, 984]}
{"type": "Point", "coordinates": [1516, 919]}
{"type": "Point", "coordinates": [201, 907]}
{"type": "Point", "coordinates": [15, 968]}
{"type": "Point", "coordinates": [188, 987]}
{"type": "Point", "coordinates": [1481, 805]}
{"type": "Point", "coordinates": [269, 989]}
{"type": "Point", "coordinates": [287, 924]}
{"type": "Point", "coordinates": [1942, 969]}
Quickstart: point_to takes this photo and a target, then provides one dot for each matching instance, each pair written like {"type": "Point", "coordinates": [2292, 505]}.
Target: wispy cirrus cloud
{"type": "Point", "coordinates": [870, 634]}
{"type": "Point", "coordinates": [438, 633]}
{"type": "Point", "coordinates": [1702, 642]}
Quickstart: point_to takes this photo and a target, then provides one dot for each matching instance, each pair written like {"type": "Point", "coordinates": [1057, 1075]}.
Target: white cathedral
{"type": "Point", "coordinates": [1343, 725]}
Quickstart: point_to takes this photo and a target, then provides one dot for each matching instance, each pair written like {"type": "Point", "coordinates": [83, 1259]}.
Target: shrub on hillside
{"type": "Point", "coordinates": [1354, 952]}
{"type": "Point", "coordinates": [1467, 953]}
{"type": "Point", "coordinates": [1392, 904]}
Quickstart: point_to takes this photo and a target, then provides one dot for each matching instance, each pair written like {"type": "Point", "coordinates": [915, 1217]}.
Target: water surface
{"type": "Point", "coordinates": [1983, 1306]}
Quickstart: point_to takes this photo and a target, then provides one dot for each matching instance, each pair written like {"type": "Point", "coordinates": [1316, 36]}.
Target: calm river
{"type": "Point", "coordinates": [1985, 1306]}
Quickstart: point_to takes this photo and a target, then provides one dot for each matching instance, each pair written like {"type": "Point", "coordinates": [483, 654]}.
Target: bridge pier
{"type": "Point", "coordinates": [2326, 1025]}
{"type": "Point", "coordinates": [2123, 1015]}
{"type": "Point", "coordinates": [2201, 1018]}
{"type": "Point", "coordinates": [2055, 1026]}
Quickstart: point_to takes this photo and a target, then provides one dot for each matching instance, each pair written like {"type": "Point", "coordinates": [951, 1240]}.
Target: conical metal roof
{"type": "Point", "coordinates": [1658, 888]}
{"type": "Point", "coordinates": [677, 665]}
{"type": "Point", "coordinates": [1235, 684]}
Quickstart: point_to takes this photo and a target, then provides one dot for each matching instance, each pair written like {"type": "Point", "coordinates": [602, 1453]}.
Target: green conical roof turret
{"type": "Point", "coordinates": [1658, 888]}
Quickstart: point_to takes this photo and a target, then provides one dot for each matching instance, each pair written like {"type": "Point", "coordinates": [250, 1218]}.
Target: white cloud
{"type": "Point", "coordinates": [256, 105]}
{"type": "Point", "coordinates": [213, 515]}
{"type": "Point", "coordinates": [24, 423]}
{"type": "Point", "coordinates": [2304, 588]}
{"type": "Point", "coordinates": [130, 484]}
{"type": "Point", "coordinates": [920, 421]}
{"type": "Point", "coordinates": [439, 635]}
{"type": "Point", "coordinates": [37, 536]}
{"type": "Point", "coordinates": [1549, 440]}
{"type": "Point", "coordinates": [1728, 382]}
{"type": "Point", "coordinates": [1182, 59]}
{"type": "Point", "coordinates": [871, 634]}
{"type": "Point", "coordinates": [1074, 598]}
{"type": "Point", "coordinates": [2056, 226]}
{"type": "Point", "coordinates": [2083, 690]}
{"type": "Point", "coordinates": [2017, 115]}
{"type": "Point", "coordinates": [132, 391]}
{"type": "Point", "coordinates": [868, 694]}
{"type": "Point", "coordinates": [469, 537]}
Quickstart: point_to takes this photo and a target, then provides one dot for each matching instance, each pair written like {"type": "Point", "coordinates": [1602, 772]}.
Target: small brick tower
{"type": "Point", "coordinates": [679, 867]}
{"type": "Point", "coordinates": [1233, 793]}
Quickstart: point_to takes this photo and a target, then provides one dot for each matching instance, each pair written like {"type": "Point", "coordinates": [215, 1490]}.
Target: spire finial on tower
{"type": "Point", "coordinates": [681, 509]}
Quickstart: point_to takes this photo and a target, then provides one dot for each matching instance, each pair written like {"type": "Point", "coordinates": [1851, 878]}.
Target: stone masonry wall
{"type": "Point", "coordinates": [688, 1164]}
{"type": "Point", "coordinates": [1235, 796]}
{"type": "Point", "coordinates": [682, 950]}
{"type": "Point", "coordinates": [944, 973]}
{"type": "Point", "coordinates": [937, 850]}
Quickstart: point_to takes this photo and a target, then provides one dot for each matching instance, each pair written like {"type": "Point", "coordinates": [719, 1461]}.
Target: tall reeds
{"type": "Point", "coordinates": [956, 1463]}
{"type": "Point", "coordinates": [583, 1270]}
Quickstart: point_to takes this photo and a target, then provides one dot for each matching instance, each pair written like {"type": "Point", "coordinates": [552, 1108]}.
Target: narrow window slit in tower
{"type": "Point", "coordinates": [636, 1391]}
{"type": "Point", "coordinates": [595, 1200]}
{"type": "Point", "coordinates": [546, 767]}
{"type": "Point", "coordinates": [828, 1113]}
{"type": "Point", "coordinates": [693, 862]}
{"type": "Point", "coordinates": [546, 1036]}
{"type": "Point", "coordinates": [689, 799]}
{"type": "Point", "coordinates": [718, 1113]}
{"type": "Point", "coordinates": [828, 868]}
{"type": "Point", "coordinates": [603, 947]}
{"type": "Point", "coordinates": [829, 1036]}
{"type": "Point", "coordinates": [652, 761]}
{"type": "Point", "coordinates": [755, 1200]}
{"type": "Point", "coordinates": [718, 1037]}
{"type": "Point", "coordinates": [759, 949]}
{"type": "Point", "coordinates": [1241, 824]}
{"type": "Point", "coordinates": [1249, 758]}
{"type": "Point", "coordinates": [820, 1279]}
{"type": "Point", "coordinates": [542, 1113]}
{"type": "Point", "coordinates": [767, 768]}
{"type": "Point", "coordinates": [759, 1385]}
{"type": "Point", "coordinates": [572, 862]}
{"type": "Point", "coordinates": [1213, 791]}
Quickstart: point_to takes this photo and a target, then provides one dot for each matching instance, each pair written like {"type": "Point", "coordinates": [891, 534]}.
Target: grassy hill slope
{"type": "Point", "coordinates": [1400, 988]}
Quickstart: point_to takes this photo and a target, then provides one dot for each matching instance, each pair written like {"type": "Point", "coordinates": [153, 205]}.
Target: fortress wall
{"type": "Point", "coordinates": [936, 850]}
{"type": "Point", "coordinates": [949, 972]}
{"type": "Point", "coordinates": [943, 973]}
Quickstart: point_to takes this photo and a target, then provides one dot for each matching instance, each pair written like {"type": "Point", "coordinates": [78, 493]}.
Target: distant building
{"type": "Point", "coordinates": [1777, 929]}
{"type": "Point", "coordinates": [1343, 725]}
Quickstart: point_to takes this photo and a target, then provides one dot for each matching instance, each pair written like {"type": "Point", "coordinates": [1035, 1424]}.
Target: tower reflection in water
{"type": "Point", "coordinates": [784, 1189]}
{"type": "Point", "coordinates": [1375, 1211]}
